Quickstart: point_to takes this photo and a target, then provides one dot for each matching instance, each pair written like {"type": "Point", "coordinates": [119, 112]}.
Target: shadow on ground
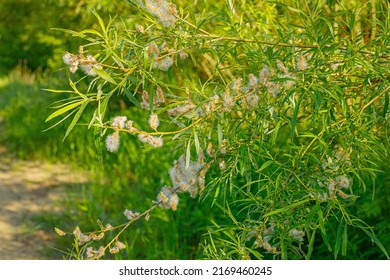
{"type": "Point", "coordinates": [29, 189]}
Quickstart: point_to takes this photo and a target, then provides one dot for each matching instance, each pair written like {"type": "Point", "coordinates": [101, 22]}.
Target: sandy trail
{"type": "Point", "coordinates": [28, 188]}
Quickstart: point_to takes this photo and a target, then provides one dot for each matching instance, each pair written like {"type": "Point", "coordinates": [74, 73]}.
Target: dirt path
{"type": "Point", "coordinates": [28, 188]}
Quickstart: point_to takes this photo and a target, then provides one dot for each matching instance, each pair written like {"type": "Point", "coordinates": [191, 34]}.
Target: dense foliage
{"type": "Point", "coordinates": [272, 115]}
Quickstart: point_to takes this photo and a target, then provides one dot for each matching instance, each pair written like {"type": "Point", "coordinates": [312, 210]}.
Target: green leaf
{"type": "Point", "coordinates": [265, 165]}
{"type": "Point", "coordinates": [91, 31]}
{"type": "Point", "coordinates": [311, 244]}
{"type": "Point", "coordinates": [255, 253]}
{"type": "Point", "coordinates": [275, 132]}
{"type": "Point", "coordinates": [76, 118]}
{"type": "Point", "coordinates": [220, 134]}
{"type": "Point", "coordinates": [311, 215]}
{"type": "Point", "coordinates": [100, 21]}
{"type": "Point", "coordinates": [188, 154]}
{"type": "Point", "coordinates": [376, 241]}
{"type": "Point", "coordinates": [294, 119]}
{"type": "Point", "coordinates": [60, 121]}
{"type": "Point", "coordinates": [345, 241]}
{"type": "Point", "coordinates": [170, 75]}
{"type": "Point", "coordinates": [104, 75]}
{"type": "Point", "coordinates": [131, 98]}
{"type": "Point", "coordinates": [292, 205]}
{"type": "Point", "coordinates": [74, 87]}
{"type": "Point", "coordinates": [196, 141]}
{"type": "Point", "coordinates": [57, 90]}
{"type": "Point", "coordinates": [63, 110]}
{"type": "Point", "coordinates": [103, 105]}
{"type": "Point", "coordinates": [339, 238]}
{"type": "Point", "coordinates": [321, 221]}
{"type": "Point", "coordinates": [386, 106]}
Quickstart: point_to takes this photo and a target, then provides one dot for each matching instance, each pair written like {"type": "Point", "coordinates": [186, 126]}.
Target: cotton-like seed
{"type": "Point", "coordinates": [331, 186]}
{"type": "Point", "coordinates": [281, 66]}
{"type": "Point", "coordinates": [130, 127]}
{"type": "Point", "coordinates": [297, 234]}
{"type": "Point", "coordinates": [252, 81]}
{"type": "Point", "coordinates": [251, 100]}
{"type": "Point", "coordinates": [222, 147]}
{"type": "Point", "coordinates": [340, 154]}
{"type": "Point", "coordinates": [109, 227]}
{"type": "Point", "coordinates": [222, 164]}
{"type": "Point", "coordinates": [120, 245]}
{"type": "Point", "coordinates": [187, 178]}
{"type": "Point", "coordinates": [181, 109]}
{"type": "Point", "coordinates": [140, 28]}
{"type": "Point", "coordinates": [88, 65]}
{"type": "Point", "coordinates": [69, 58]}
{"type": "Point", "coordinates": [273, 88]}
{"type": "Point", "coordinates": [97, 237]}
{"type": "Point", "coordinates": [159, 95]}
{"type": "Point", "coordinates": [168, 198]}
{"type": "Point", "coordinates": [91, 253]}
{"type": "Point", "coordinates": [301, 62]}
{"type": "Point", "coordinates": [88, 69]}
{"type": "Point", "coordinates": [343, 182]}
{"type": "Point", "coordinates": [174, 201]}
{"type": "Point", "coordinates": [237, 85]}
{"type": "Point", "coordinates": [183, 55]}
{"type": "Point", "coordinates": [153, 50]}
{"type": "Point", "coordinates": [112, 142]}
{"type": "Point", "coordinates": [114, 250]}
{"type": "Point", "coordinates": [119, 122]}
{"type": "Point", "coordinates": [165, 11]}
{"type": "Point", "coordinates": [154, 121]}
{"type": "Point", "coordinates": [82, 238]}
{"type": "Point", "coordinates": [131, 215]}
{"type": "Point", "coordinates": [145, 104]}
{"type": "Point", "coordinates": [227, 101]}
{"type": "Point", "coordinates": [264, 75]}
{"type": "Point", "coordinates": [163, 64]}
{"type": "Point", "coordinates": [73, 68]}
{"type": "Point", "coordinates": [155, 142]}
{"type": "Point", "coordinates": [210, 150]}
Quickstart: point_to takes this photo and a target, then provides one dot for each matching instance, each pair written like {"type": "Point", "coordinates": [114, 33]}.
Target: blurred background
{"type": "Point", "coordinates": [46, 182]}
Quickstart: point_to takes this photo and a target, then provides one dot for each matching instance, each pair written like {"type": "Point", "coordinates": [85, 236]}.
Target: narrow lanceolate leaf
{"type": "Point", "coordinates": [91, 31]}
{"type": "Point", "coordinates": [196, 142]}
{"type": "Point", "coordinates": [386, 106]}
{"type": "Point", "coordinates": [100, 21]}
{"type": "Point", "coordinates": [265, 165]}
{"type": "Point", "coordinates": [104, 75]}
{"type": "Point", "coordinates": [131, 98]}
{"type": "Point", "coordinates": [188, 154]}
{"type": "Point", "coordinates": [76, 118]}
{"type": "Point", "coordinates": [292, 205]}
{"type": "Point", "coordinates": [321, 222]}
{"type": "Point", "coordinates": [294, 119]}
{"type": "Point", "coordinates": [75, 33]}
{"type": "Point", "coordinates": [345, 241]}
{"type": "Point", "coordinates": [376, 241]}
{"type": "Point", "coordinates": [63, 110]}
{"type": "Point", "coordinates": [339, 239]}
{"type": "Point", "coordinates": [311, 244]}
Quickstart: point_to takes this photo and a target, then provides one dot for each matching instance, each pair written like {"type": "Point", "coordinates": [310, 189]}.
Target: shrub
{"type": "Point", "coordinates": [281, 126]}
